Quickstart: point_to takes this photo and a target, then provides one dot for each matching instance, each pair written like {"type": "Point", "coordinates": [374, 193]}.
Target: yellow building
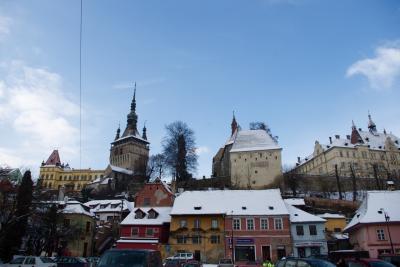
{"type": "Point", "coordinates": [80, 223]}
{"type": "Point", "coordinates": [201, 234]}
{"type": "Point", "coordinates": [335, 223]}
{"type": "Point", "coordinates": [54, 175]}
{"type": "Point", "coordinates": [366, 154]}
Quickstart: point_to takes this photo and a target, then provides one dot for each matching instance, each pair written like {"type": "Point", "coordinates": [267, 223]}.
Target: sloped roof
{"type": "Point", "coordinates": [373, 203]}
{"type": "Point", "coordinates": [163, 216]}
{"type": "Point", "coordinates": [300, 216]}
{"type": "Point", "coordinates": [54, 158]}
{"type": "Point", "coordinates": [96, 204]}
{"type": "Point", "coordinates": [75, 207]}
{"type": "Point", "coordinates": [230, 202]}
{"type": "Point", "coordinates": [377, 140]}
{"type": "Point", "coordinates": [331, 216]}
{"type": "Point", "coordinates": [295, 201]}
{"type": "Point", "coordinates": [121, 170]}
{"type": "Point", "coordinates": [253, 140]}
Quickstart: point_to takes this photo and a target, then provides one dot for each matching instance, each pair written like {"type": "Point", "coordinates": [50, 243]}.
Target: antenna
{"type": "Point", "coordinates": [80, 90]}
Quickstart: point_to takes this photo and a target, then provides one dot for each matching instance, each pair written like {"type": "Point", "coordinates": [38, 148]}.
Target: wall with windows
{"type": "Point", "coordinates": [203, 235]}
{"type": "Point", "coordinates": [375, 238]}
{"type": "Point", "coordinates": [309, 239]}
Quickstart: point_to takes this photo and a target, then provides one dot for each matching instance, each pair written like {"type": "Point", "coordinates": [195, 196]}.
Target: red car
{"type": "Point", "coordinates": [368, 262]}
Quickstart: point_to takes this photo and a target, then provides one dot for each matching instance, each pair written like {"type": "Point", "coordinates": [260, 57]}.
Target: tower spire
{"type": "Point", "coordinates": [234, 124]}
{"type": "Point", "coordinates": [144, 135]}
{"type": "Point", "coordinates": [133, 104]}
{"type": "Point", "coordinates": [118, 132]}
{"type": "Point", "coordinates": [371, 124]}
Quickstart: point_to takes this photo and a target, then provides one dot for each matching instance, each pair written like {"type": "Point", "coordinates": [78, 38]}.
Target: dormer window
{"type": "Point", "coordinates": [270, 207]}
{"type": "Point", "coordinates": [197, 208]}
{"type": "Point", "coordinates": [103, 206]}
{"type": "Point", "coordinates": [152, 214]}
{"type": "Point", "coordinates": [113, 206]}
{"type": "Point", "coordinates": [244, 208]}
{"type": "Point", "coordinates": [139, 214]}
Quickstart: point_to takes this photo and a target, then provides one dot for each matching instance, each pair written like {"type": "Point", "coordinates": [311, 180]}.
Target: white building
{"type": "Point", "coordinates": [308, 233]}
{"type": "Point", "coordinates": [110, 210]}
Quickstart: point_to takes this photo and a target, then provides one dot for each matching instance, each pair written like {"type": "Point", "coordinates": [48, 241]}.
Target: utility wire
{"type": "Point", "coordinates": [80, 92]}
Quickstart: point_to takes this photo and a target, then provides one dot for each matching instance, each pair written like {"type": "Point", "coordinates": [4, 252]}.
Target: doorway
{"type": "Point", "coordinates": [245, 253]}
{"type": "Point", "coordinates": [197, 255]}
{"type": "Point", "coordinates": [266, 253]}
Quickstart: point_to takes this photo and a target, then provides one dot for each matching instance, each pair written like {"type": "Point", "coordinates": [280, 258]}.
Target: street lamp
{"type": "Point", "coordinates": [387, 219]}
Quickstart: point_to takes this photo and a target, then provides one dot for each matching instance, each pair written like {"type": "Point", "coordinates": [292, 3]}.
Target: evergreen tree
{"type": "Point", "coordinates": [17, 229]}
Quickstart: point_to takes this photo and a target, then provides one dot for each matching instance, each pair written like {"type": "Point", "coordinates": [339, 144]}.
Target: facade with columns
{"type": "Point", "coordinates": [130, 150]}
{"type": "Point", "coordinates": [367, 154]}
{"type": "Point", "coordinates": [251, 158]}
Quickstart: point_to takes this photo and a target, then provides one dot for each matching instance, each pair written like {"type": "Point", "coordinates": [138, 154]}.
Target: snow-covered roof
{"type": "Point", "coordinates": [121, 170]}
{"type": "Point", "coordinates": [373, 207]}
{"type": "Point", "coordinates": [295, 201]}
{"type": "Point", "coordinates": [163, 216]}
{"type": "Point", "coordinates": [109, 205]}
{"type": "Point", "coordinates": [377, 140]}
{"type": "Point", "coordinates": [136, 136]}
{"type": "Point", "coordinates": [340, 236]}
{"type": "Point", "coordinates": [230, 202]}
{"type": "Point", "coordinates": [75, 207]}
{"type": "Point", "coordinates": [253, 140]}
{"type": "Point", "coordinates": [300, 216]}
{"type": "Point", "coordinates": [141, 241]}
{"type": "Point", "coordinates": [106, 180]}
{"type": "Point", "coordinates": [331, 216]}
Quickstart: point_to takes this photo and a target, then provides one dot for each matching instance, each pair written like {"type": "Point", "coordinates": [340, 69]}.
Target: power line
{"type": "Point", "coordinates": [80, 91]}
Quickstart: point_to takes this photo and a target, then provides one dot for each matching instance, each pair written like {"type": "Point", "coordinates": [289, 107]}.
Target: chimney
{"type": "Point", "coordinates": [337, 136]}
{"type": "Point", "coordinates": [298, 159]}
{"type": "Point", "coordinates": [348, 137]}
{"type": "Point", "coordinates": [330, 140]}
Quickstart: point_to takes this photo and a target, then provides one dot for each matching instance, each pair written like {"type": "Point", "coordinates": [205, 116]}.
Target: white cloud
{"type": "Point", "coordinates": [383, 70]}
{"type": "Point", "coordinates": [202, 150]}
{"type": "Point", "coordinates": [5, 23]}
{"type": "Point", "coordinates": [36, 115]}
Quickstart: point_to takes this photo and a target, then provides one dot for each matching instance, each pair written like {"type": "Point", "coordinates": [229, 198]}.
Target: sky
{"type": "Point", "coordinates": [307, 68]}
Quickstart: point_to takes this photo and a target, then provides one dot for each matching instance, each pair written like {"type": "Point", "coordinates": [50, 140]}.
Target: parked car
{"type": "Point", "coordinates": [182, 256]}
{"type": "Point", "coordinates": [248, 264]}
{"type": "Point", "coordinates": [303, 262]}
{"type": "Point", "coordinates": [192, 263]}
{"type": "Point", "coordinates": [65, 261]}
{"type": "Point", "coordinates": [92, 261]}
{"type": "Point", "coordinates": [173, 262]}
{"type": "Point", "coordinates": [368, 262]}
{"type": "Point", "coordinates": [31, 261]}
{"type": "Point", "coordinates": [130, 258]}
{"type": "Point", "coordinates": [225, 263]}
{"type": "Point", "coordinates": [392, 258]}
{"type": "Point", "coordinates": [335, 256]}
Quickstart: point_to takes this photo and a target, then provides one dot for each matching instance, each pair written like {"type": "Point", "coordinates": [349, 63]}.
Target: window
{"type": "Point", "coordinates": [183, 224]}
{"type": "Point", "coordinates": [196, 239]}
{"type": "Point", "coordinates": [113, 206]}
{"type": "Point", "coordinates": [181, 239]}
{"type": "Point", "coordinates": [264, 223]}
{"type": "Point", "coordinates": [17, 260]}
{"type": "Point", "coordinates": [146, 201]}
{"type": "Point", "coordinates": [30, 260]}
{"type": "Point", "coordinates": [337, 230]}
{"type": "Point", "coordinates": [364, 154]}
{"type": "Point", "coordinates": [250, 224]}
{"type": "Point", "coordinates": [152, 214]}
{"type": "Point", "coordinates": [214, 223]}
{"type": "Point", "coordinates": [313, 229]}
{"type": "Point", "coordinates": [87, 227]}
{"type": "Point", "coordinates": [215, 239]}
{"type": "Point", "coordinates": [278, 223]}
{"type": "Point", "coordinates": [196, 223]}
{"type": "Point", "coordinates": [149, 231]}
{"type": "Point", "coordinates": [299, 230]}
{"type": "Point", "coordinates": [380, 234]}
{"type": "Point", "coordinates": [134, 231]}
{"type": "Point", "coordinates": [236, 224]}
{"type": "Point", "coordinates": [303, 264]}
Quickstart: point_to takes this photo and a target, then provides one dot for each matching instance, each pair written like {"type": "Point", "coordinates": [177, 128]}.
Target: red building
{"type": "Point", "coordinates": [155, 194]}
{"type": "Point", "coordinates": [259, 226]}
{"type": "Point", "coordinates": [145, 228]}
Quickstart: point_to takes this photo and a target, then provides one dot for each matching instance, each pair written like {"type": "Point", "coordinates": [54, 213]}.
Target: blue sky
{"type": "Point", "coordinates": [306, 68]}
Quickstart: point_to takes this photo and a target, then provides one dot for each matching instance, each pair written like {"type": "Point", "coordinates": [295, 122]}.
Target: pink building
{"type": "Point", "coordinates": [376, 225]}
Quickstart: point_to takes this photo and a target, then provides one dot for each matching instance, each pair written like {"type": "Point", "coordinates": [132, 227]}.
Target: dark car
{"type": "Point", "coordinates": [225, 263]}
{"type": "Point", "coordinates": [303, 262]}
{"type": "Point", "coordinates": [368, 262]}
{"type": "Point", "coordinates": [393, 259]}
{"type": "Point", "coordinates": [173, 262]}
{"type": "Point", "coordinates": [130, 258]}
{"type": "Point", "coordinates": [65, 261]}
{"type": "Point", "coordinates": [192, 263]}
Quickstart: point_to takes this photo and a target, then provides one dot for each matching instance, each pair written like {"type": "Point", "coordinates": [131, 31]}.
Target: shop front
{"type": "Point", "coordinates": [306, 249]}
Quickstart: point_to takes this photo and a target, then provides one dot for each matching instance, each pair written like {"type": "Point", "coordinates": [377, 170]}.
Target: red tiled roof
{"type": "Point", "coordinates": [54, 158]}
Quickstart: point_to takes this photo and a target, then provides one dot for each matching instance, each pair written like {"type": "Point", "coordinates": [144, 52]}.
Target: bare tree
{"type": "Point", "coordinates": [156, 167]}
{"type": "Point", "coordinates": [179, 150]}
